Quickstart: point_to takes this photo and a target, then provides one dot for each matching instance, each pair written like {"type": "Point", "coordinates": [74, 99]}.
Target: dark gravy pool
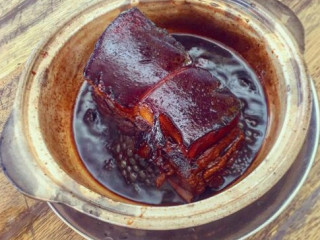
{"type": "Point", "coordinates": [93, 134]}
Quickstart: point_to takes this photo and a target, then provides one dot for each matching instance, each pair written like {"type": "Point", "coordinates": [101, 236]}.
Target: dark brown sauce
{"type": "Point", "coordinates": [95, 135]}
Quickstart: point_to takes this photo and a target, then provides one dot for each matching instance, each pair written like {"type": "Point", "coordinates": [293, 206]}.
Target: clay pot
{"type": "Point", "coordinates": [38, 152]}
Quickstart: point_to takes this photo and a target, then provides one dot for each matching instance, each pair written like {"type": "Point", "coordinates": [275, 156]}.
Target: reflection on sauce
{"type": "Point", "coordinates": [109, 162]}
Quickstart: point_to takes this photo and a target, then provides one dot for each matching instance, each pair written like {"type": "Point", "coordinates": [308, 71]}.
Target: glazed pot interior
{"type": "Point", "coordinates": [63, 77]}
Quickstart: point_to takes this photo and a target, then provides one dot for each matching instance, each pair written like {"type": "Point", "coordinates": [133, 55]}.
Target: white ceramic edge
{"type": "Point", "coordinates": [286, 203]}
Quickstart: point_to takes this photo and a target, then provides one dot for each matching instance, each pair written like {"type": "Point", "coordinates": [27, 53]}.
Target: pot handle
{"type": "Point", "coordinates": [288, 18]}
{"type": "Point", "coordinates": [15, 162]}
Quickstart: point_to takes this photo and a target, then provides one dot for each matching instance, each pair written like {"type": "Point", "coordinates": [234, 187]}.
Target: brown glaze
{"type": "Point", "coordinates": [124, 66]}
{"type": "Point", "coordinates": [193, 109]}
{"type": "Point", "coordinates": [159, 99]}
{"type": "Point", "coordinates": [56, 111]}
{"type": "Point", "coordinates": [235, 32]}
{"type": "Point", "coordinates": [107, 161]}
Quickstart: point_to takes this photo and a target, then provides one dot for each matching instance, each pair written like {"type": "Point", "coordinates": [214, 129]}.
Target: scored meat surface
{"type": "Point", "coordinates": [178, 116]}
{"type": "Point", "coordinates": [192, 108]}
{"type": "Point", "coordinates": [131, 56]}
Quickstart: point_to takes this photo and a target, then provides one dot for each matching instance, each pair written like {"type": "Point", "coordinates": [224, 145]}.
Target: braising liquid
{"type": "Point", "coordinates": [94, 135]}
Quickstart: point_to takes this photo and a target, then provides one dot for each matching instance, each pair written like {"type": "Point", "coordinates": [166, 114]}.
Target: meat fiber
{"type": "Point", "coordinates": [130, 57]}
{"type": "Point", "coordinates": [178, 116]}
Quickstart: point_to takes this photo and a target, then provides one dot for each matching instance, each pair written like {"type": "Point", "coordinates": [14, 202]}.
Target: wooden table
{"type": "Point", "coordinates": [22, 25]}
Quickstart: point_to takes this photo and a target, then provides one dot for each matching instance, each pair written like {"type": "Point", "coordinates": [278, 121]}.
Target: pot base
{"type": "Point", "coordinates": [236, 226]}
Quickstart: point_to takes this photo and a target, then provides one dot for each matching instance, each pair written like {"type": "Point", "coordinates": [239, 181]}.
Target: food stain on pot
{"type": "Point", "coordinates": [91, 210]}
{"type": "Point", "coordinates": [143, 210]}
{"type": "Point", "coordinates": [44, 54]}
{"type": "Point", "coordinates": [130, 221]}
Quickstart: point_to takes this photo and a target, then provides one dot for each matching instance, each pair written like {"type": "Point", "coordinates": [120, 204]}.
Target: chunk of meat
{"type": "Point", "coordinates": [198, 119]}
{"type": "Point", "coordinates": [193, 109]}
{"type": "Point", "coordinates": [176, 115]}
{"type": "Point", "coordinates": [190, 179]}
{"type": "Point", "coordinates": [130, 57]}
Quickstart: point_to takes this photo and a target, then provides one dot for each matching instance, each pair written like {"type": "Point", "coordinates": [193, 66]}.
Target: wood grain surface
{"type": "Point", "coordinates": [23, 23]}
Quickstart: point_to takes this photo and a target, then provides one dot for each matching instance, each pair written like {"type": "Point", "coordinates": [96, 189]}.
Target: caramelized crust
{"type": "Point", "coordinates": [177, 115]}
{"type": "Point", "coordinates": [130, 57]}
